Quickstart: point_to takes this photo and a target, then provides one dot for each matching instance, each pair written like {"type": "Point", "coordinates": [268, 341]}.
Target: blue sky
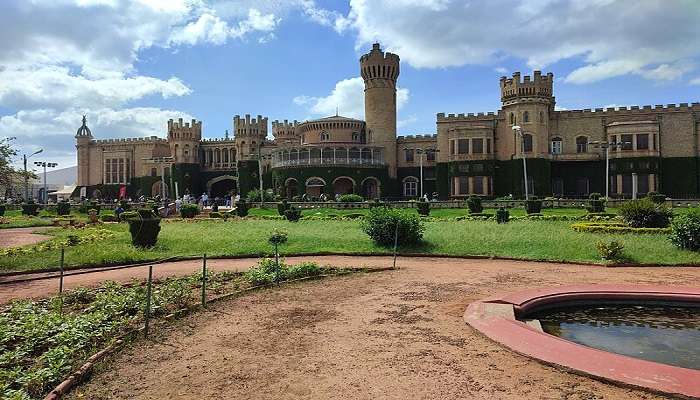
{"type": "Point", "coordinates": [131, 65]}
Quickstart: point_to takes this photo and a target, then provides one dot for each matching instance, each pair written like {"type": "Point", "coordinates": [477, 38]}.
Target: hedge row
{"type": "Point", "coordinates": [597, 227]}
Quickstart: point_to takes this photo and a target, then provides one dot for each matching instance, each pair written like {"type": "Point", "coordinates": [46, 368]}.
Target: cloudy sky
{"type": "Point", "coordinates": [132, 65]}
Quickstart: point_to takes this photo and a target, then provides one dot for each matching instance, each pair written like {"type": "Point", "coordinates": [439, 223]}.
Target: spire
{"type": "Point", "coordinates": [336, 110]}
{"type": "Point", "coordinates": [226, 135]}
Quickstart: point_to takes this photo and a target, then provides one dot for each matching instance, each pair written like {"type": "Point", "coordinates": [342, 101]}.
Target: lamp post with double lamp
{"type": "Point", "coordinates": [45, 164]}
{"type": "Point", "coordinates": [26, 174]}
{"type": "Point", "coordinates": [420, 152]}
{"type": "Point", "coordinates": [261, 157]}
{"type": "Point", "coordinates": [163, 162]}
{"type": "Point", "coordinates": [606, 146]}
{"type": "Point", "coordinates": [520, 133]}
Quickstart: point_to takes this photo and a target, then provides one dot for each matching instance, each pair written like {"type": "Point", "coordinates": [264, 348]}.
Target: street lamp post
{"type": "Point", "coordinates": [606, 146]}
{"type": "Point", "coordinates": [520, 133]}
{"type": "Point", "coordinates": [420, 152]}
{"type": "Point", "coordinates": [26, 174]}
{"type": "Point", "coordinates": [50, 165]}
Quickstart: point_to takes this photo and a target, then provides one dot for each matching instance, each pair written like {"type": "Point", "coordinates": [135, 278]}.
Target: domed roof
{"type": "Point", "coordinates": [84, 130]}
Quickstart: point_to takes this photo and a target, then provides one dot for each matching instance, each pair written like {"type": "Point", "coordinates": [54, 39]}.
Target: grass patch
{"type": "Point", "coordinates": [533, 240]}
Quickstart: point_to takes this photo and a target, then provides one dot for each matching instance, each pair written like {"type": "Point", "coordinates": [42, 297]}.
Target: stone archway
{"type": "Point", "coordinates": [343, 185]}
{"type": "Point", "coordinates": [291, 188]}
{"type": "Point", "coordinates": [371, 188]}
{"type": "Point", "coordinates": [314, 187]}
{"type": "Point", "coordinates": [221, 185]}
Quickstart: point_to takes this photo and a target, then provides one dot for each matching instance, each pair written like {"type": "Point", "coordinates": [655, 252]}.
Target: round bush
{"type": "Point", "coordinates": [644, 213]}
{"type": "Point", "coordinates": [30, 209]}
{"type": "Point", "coordinates": [657, 198]}
{"type": "Point", "coordinates": [423, 208]}
{"type": "Point", "coordinates": [502, 215]}
{"type": "Point", "coordinates": [189, 210]}
{"type": "Point", "coordinates": [63, 208]}
{"type": "Point", "coordinates": [474, 204]}
{"type": "Point", "coordinates": [254, 196]}
{"type": "Point", "coordinates": [293, 214]}
{"type": "Point", "coordinates": [533, 206]}
{"type": "Point", "coordinates": [685, 230]}
{"type": "Point", "coordinates": [596, 206]}
{"type": "Point", "coordinates": [381, 225]}
{"type": "Point", "coordinates": [350, 198]}
{"type": "Point", "coordinates": [144, 227]}
{"type": "Point", "coordinates": [282, 207]}
{"type": "Point", "coordinates": [242, 208]}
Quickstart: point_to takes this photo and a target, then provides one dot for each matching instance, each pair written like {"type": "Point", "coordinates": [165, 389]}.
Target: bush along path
{"type": "Point", "coordinates": [42, 342]}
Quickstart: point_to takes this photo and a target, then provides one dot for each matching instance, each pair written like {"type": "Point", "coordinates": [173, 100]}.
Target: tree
{"type": "Point", "coordinates": [6, 154]}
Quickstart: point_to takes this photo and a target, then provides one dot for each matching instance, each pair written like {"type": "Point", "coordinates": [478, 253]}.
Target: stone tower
{"type": "Point", "coordinates": [249, 134]}
{"type": "Point", "coordinates": [83, 138]}
{"type": "Point", "coordinates": [184, 139]}
{"type": "Point", "coordinates": [380, 71]}
{"type": "Point", "coordinates": [285, 132]}
{"type": "Point", "coordinates": [529, 103]}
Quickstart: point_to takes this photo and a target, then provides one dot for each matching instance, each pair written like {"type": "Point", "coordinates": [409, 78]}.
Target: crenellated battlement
{"type": "Point", "coordinates": [379, 65]}
{"type": "Point", "coordinates": [417, 138]}
{"type": "Point", "coordinates": [284, 128]}
{"type": "Point", "coordinates": [629, 110]}
{"type": "Point", "coordinates": [249, 127]}
{"type": "Point", "coordinates": [536, 85]}
{"type": "Point", "coordinates": [489, 116]}
{"type": "Point", "coordinates": [184, 131]}
{"type": "Point", "coordinates": [143, 140]}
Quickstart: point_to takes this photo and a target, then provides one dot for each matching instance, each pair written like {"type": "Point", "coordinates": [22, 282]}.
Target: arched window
{"type": "Point", "coordinates": [355, 136]}
{"type": "Point", "coordinates": [581, 144]}
{"type": "Point", "coordinates": [556, 145]}
{"type": "Point", "coordinates": [541, 116]}
{"type": "Point", "coordinates": [527, 143]}
{"type": "Point", "coordinates": [410, 186]}
{"type": "Point", "coordinates": [526, 116]}
{"type": "Point", "coordinates": [325, 136]}
{"type": "Point", "coordinates": [512, 119]}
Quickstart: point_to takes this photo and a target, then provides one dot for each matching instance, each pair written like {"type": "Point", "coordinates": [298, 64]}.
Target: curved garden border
{"type": "Point", "coordinates": [495, 318]}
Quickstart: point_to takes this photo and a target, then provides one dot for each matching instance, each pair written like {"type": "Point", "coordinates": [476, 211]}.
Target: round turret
{"type": "Point", "coordinates": [380, 71]}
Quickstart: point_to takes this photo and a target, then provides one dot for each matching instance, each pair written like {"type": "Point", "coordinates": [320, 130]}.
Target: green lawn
{"type": "Point", "coordinates": [440, 213]}
{"type": "Point", "coordinates": [535, 240]}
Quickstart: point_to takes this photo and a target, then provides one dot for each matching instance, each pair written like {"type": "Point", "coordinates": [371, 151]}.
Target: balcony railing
{"type": "Point", "coordinates": [326, 161]}
{"type": "Point", "coordinates": [326, 155]}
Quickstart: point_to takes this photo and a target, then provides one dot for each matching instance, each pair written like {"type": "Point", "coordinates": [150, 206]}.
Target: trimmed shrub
{"type": "Point", "coordinates": [657, 198]}
{"type": "Point", "coordinates": [502, 215]}
{"type": "Point", "coordinates": [216, 214]}
{"type": "Point", "coordinates": [242, 208]}
{"type": "Point", "coordinates": [644, 213]}
{"type": "Point", "coordinates": [63, 208]}
{"type": "Point", "coordinates": [381, 225]}
{"type": "Point", "coordinates": [282, 207]}
{"type": "Point", "coordinates": [109, 218]}
{"type": "Point", "coordinates": [30, 208]}
{"type": "Point", "coordinates": [254, 196]}
{"type": "Point", "coordinates": [596, 206]}
{"type": "Point", "coordinates": [610, 251]}
{"type": "Point", "coordinates": [189, 210]}
{"type": "Point", "coordinates": [303, 270]}
{"type": "Point", "coordinates": [144, 228]}
{"type": "Point", "coordinates": [215, 207]}
{"type": "Point", "coordinates": [594, 196]}
{"type": "Point", "coordinates": [2, 209]}
{"type": "Point", "coordinates": [353, 216]}
{"type": "Point", "coordinates": [533, 205]}
{"type": "Point", "coordinates": [293, 214]}
{"type": "Point", "coordinates": [685, 230]}
{"type": "Point", "coordinates": [423, 208]}
{"type": "Point", "coordinates": [608, 227]}
{"type": "Point", "coordinates": [474, 204]}
{"type": "Point", "coordinates": [350, 198]}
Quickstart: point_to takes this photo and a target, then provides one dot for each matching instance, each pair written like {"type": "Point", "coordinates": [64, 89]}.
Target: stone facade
{"type": "Point", "coordinates": [655, 149]}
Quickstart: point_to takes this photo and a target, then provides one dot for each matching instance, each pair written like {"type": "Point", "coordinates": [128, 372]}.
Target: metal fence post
{"type": "Point", "coordinates": [204, 280]}
{"type": "Point", "coordinates": [60, 279]}
{"type": "Point", "coordinates": [147, 312]}
{"type": "Point", "coordinates": [396, 242]}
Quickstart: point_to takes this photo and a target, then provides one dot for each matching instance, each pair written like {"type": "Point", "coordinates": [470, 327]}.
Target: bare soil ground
{"type": "Point", "coordinates": [13, 237]}
{"type": "Point", "coordinates": [389, 335]}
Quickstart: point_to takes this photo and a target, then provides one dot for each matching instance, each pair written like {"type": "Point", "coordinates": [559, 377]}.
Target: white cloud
{"type": "Point", "coordinates": [324, 17]}
{"type": "Point", "coordinates": [609, 36]}
{"type": "Point", "coordinates": [348, 96]}
{"type": "Point", "coordinates": [695, 81]}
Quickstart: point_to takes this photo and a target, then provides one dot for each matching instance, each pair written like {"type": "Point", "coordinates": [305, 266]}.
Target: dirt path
{"type": "Point", "coordinates": [389, 335]}
{"type": "Point", "coordinates": [13, 237]}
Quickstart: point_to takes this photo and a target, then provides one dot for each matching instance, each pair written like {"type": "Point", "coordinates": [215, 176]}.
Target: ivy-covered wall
{"type": "Point", "coordinates": [189, 179]}
{"type": "Point", "coordinates": [680, 177]}
{"type": "Point", "coordinates": [248, 176]}
{"type": "Point", "coordinates": [508, 178]}
{"type": "Point", "coordinates": [571, 171]}
{"type": "Point", "coordinates": [429, 179]}
{"type": "Point", "coordinates": [328, 174]}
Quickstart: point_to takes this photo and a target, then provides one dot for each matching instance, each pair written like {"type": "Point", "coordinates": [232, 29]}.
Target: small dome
{"type": "Point", "coordinates": [84, 130]}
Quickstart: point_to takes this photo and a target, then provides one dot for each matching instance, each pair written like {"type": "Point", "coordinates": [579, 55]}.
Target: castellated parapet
{"type": "Point", "coordinates": [284, 129]}
{"type": "Point", "coordinates": [249, 127]}
{"type": "Point", "coordinates": [379, 68]}
{"type": "Point", "coordinates": [535, 86]}
{"type": "Point", "coordinates": [185, 131]}
{"type": "Point", "coordinates": [629, 110]}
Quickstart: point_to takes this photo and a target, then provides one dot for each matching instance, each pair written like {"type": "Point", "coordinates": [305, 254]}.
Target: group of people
{"type": "Point", "coordinates": [205, 201]}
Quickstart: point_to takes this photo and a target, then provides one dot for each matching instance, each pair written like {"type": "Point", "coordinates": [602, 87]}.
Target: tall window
{"type": "Point", "coordinates": [452, 147]}
{"type": "Point", "coordinates": [526, 116]}
{"type": "Point", "coordinates": [325, 136]}
{"type": "Point", "coordinates": [643, 141]}
{"type": "Point", "coordinates": [478, 146]}
{"type": "Point", "coordinates": [430, 155]}
{"type": "Point", "coordinates": [410, 187]}
{"type": "Point", "coordinates": [512, 119]}
{"type": "Point", "coordinates": [478, 187]}
{"type": "Point", "coordinates": [355, 136]}
{"type": "Point", "coordinates": [409, 155]}
{"type": "Point", "coordinates": [108, 171]}
{"type": "Point", "coordinates": [527, 143]}
{"type": "Point", "coordinates": [541, 116]}
{"type": "Point", "coordinates": [556, 145]}
{"type": "Point", "coordinates": [462, 146]}
{"type": "Point", "coordinates": [488, 146]}
{"type": "Point", "coordinates": [626, 142]}
{"type": "Point", "coordinates": [581, 144]}
{"type": "Point", "coordinates": [460, 185]}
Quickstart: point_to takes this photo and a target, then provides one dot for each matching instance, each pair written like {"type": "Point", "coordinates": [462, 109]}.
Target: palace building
{"type": "Point", "coordinates": [655, 149]}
